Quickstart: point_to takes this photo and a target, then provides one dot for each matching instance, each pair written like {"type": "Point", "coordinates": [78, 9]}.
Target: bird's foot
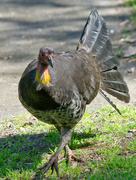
{"type": "Point", "coordinates": [71, 157]}
{"type": "Point", "coordinates": [52, 163]}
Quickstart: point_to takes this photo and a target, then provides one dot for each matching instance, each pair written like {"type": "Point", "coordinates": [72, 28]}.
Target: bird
{"type": "Point", "coordinates": [57, 87]}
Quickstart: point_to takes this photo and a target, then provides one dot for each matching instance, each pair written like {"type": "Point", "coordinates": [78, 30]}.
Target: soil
{"type": "Point", "coordinates": [26, 25]}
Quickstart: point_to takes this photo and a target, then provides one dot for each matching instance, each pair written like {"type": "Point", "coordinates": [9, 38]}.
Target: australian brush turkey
{"type": "Point", "coordinates": [56, 87]}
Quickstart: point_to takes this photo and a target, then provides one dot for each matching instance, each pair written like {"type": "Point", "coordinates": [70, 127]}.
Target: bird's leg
{"type": "Point", "coordinates": [68, 152]}
{"type": "Point", "coordinates": [71, 156]}
{"type": "Point", "coordinates": [53, 162]}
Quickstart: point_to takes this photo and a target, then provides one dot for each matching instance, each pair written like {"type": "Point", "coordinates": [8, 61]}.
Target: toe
{"type": "Point", "coordinates": [41, 167]}
{"type": "Point", "coordinates": [52, 163]}
{"type": "Point", "coordinates": [55, 166]}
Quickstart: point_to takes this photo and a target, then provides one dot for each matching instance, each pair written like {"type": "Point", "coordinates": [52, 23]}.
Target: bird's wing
{"type": "Point", "coordinates": [73, 77]}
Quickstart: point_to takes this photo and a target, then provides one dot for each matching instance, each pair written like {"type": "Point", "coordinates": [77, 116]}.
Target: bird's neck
{"type": "Point", "coordinates": [42, 74]}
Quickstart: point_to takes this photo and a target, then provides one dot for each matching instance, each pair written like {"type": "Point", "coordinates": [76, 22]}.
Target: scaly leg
{"type": "Point", "coordinates": [53, 162]}
{"type": "Point", "coordinates": [68, 152]}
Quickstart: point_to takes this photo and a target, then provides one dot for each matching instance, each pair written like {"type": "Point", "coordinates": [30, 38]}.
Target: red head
{"type": "Point", "coordinates": [46, 55]}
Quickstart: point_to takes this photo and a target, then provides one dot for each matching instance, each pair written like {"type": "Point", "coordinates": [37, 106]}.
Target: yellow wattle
{"type": "Point", "coordinates": [45, 77]}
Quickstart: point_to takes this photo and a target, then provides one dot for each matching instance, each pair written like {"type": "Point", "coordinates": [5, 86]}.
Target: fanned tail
{"type": "Point", "coordinates": [95, 40]}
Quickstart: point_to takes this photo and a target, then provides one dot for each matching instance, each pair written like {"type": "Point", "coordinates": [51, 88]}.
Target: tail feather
{"type": "Point", "coordinates": [100, 36]}
{"type": "Point", "coordinates": [105, 51]}
{"type": "Point", "coordinates": [118, 86]}
{"type": "Point", "coordinates": [95, 40]}
{"type": "Point", "coordinates": [109, 63]}
{"type": "Point", "coordinates": [95, 33]}
{"type": "Point", "coordinates": [112, 76]}
{"type": "Point", "coordinates": [120, 95]}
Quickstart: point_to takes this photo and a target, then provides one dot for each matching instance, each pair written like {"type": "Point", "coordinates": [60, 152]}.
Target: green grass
{"type": "Point", "coordinates": [118, 53]}
{"type": "Point", "coordinates": [133, 4]}
{"type": "Point", "coordinates": [130, 3]}
{"type": "Point", "coordinates": [99, 138]}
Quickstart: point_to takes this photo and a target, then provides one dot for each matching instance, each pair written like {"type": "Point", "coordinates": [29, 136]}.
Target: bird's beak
{"type": "Point", "coordinates": [50, 61]}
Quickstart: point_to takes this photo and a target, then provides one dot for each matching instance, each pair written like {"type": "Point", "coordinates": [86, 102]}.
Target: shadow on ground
{"type": "Point", "coordinates": [25, 152]}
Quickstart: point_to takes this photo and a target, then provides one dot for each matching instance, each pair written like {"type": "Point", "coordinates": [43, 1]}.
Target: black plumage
{"type": "Point", "coordinates": [56, 87]}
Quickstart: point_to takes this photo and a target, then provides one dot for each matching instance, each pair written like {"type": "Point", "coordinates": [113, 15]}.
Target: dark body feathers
{"type": "Point", "coordinates": [74, 83]}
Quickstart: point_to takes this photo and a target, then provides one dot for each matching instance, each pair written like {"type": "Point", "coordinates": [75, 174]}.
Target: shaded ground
{"type": "Point", "coordinates": [27, 25]}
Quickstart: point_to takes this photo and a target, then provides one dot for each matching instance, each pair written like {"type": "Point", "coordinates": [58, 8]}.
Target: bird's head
{"type": "Point", "coordinates": [45, 58]}
{"type": "Point", "coordinates": [46, 55]}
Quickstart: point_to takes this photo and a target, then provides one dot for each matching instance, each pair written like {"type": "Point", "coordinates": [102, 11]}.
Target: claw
{"type": "Point", "coordinates": [71, 157]}
{"type": "Point", "coordinates": [52, 168]}
{"type": "Point", "coordinates": [53, 163]}
{"type": "Point", "coordinates": [74, 158]}
{"type": "Point", "coordinates": [56, 167]}
{"type": "Point", "coordinates": [41, 167]}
